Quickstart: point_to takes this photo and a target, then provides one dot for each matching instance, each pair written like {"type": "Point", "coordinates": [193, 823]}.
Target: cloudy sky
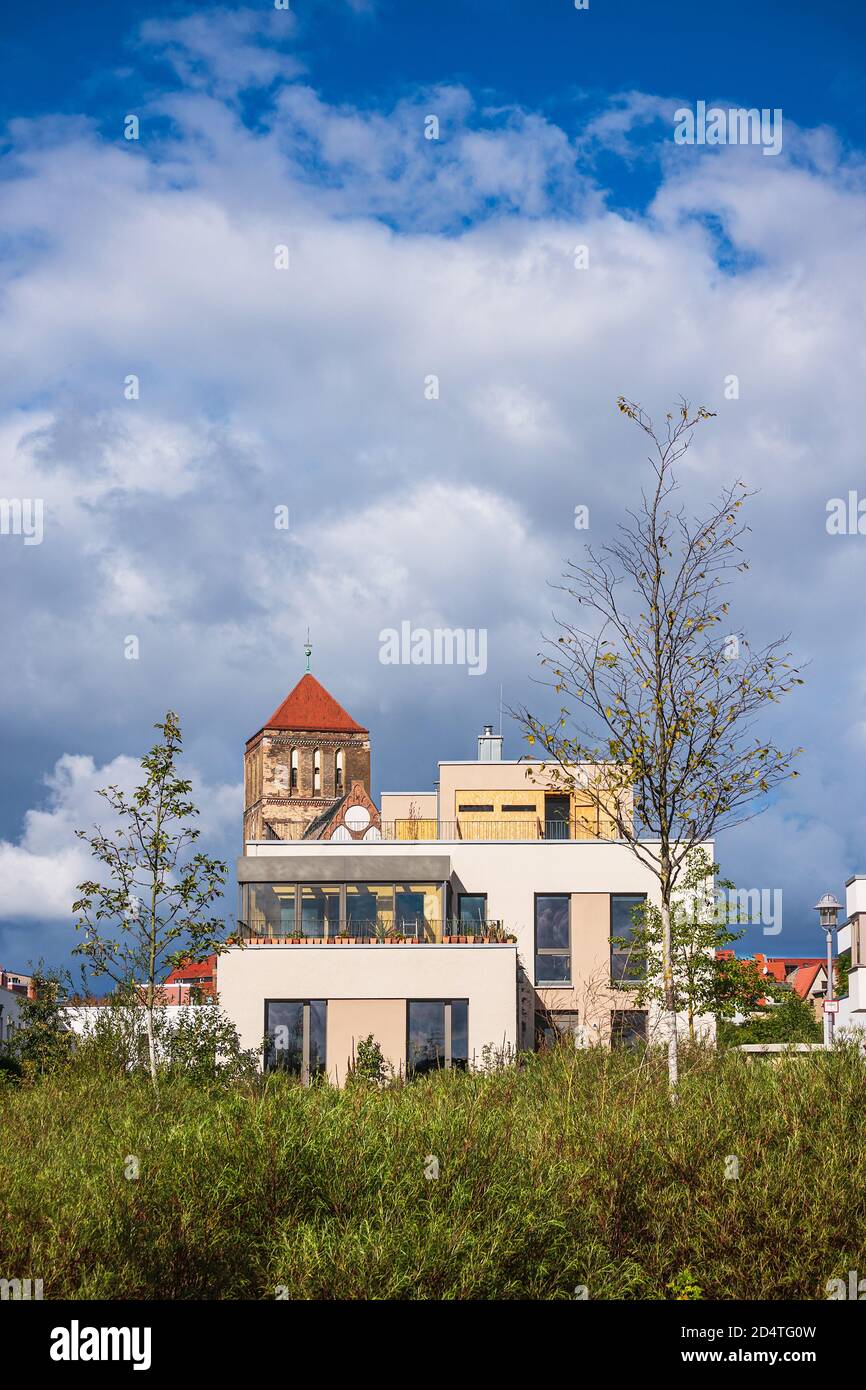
{"type": "Point", "coordinates": [262, 388]}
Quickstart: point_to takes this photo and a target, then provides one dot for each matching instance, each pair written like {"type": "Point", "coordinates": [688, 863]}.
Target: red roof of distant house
{"type": "Point", "coordinates": [197, 970]}
{"type": "Point", "coordinates": [799, 961]}
{"type": "Point", "coordinates": [774, 968]}
{"type": "Point", "coordinates": [310, 709]}
{"type": "Point", "coordinates": [805, 978]}
{"type": "Point", "coordinates": [800, 971]}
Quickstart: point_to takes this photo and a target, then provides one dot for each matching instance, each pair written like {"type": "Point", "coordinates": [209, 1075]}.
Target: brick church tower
{"type": "Point", "coordinates": [307, 771]}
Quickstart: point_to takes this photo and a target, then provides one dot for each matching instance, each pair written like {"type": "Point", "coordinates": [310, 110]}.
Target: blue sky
{"type": "Point", "coordinates": [408, 257]}
{"type": "Point", "coordinates": [806, 58]}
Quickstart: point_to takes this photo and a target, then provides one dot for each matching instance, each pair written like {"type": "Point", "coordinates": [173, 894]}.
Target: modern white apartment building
{"type": "Point", "coordinates": [472, 917]}
{"type": "Point", "coordinates": [852, 937]}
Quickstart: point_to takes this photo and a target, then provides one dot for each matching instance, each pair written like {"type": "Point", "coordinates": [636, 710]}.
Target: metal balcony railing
{"type": "Point", "coordinates": [386, 931]}
{"type": "Point", "coordinates": [481, 829]}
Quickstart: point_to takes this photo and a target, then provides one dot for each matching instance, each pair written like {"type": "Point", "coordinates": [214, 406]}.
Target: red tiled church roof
{"type": "Point", "coordinates": [309, 708]}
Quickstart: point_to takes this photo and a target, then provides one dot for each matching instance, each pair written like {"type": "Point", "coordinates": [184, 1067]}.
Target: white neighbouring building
{"type": "Point", "coordinates": [852, 937]}
{"type": "Point", "coordinates": [452, 925]}
{"type": "Point", "coordinates": [10, 1008]}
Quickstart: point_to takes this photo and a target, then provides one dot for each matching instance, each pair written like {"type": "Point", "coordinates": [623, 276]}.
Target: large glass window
{"type": "Point", "coordinates": [438, 1035]}
{"type": "Point", "coordinates": [295, 1038]}
{"type": "Point", "coordinates": [552, 939]}
{"type": "Point", "coordinates": [315, 910]}
{"type": "Point", "coordinates": [270, 909]}
{"type": "Point", "coordinates": [369, 908]}
{"type": "Point", "coordinates": [625, 969]}
{"type": "Point", "coordinates": [320, 909]}
{"type": "Point", "coordinates": [417, 910]}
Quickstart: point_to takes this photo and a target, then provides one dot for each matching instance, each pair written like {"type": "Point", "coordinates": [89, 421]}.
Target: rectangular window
{"type": "Point", "coordinates": [437, 1035]}
{"type": "Point", "coordinates": [623, 970]}
{"type": "Point", "coordinates": [554, 1025]}
{"type": "Point", "coordinates": [417, 910]}
{"type": "Point", "coordinates": [472, 909]}
{"type": "Point", "coordinates": [529, 807]}
{"type": "Point", "coordinates": [295, 1037]}
{"type": "Point", "coordinates": [628, 1028]}
{"type": "Point", "coordinates": [553, 939]}
{"type": "Point", "coordinates": [320, 909]}
{"type": "Point", "coordinates": [270, 908]}
{"type": "Point", "coordinates": [369, 908]}
{"type": "Point", "coordinates": [474, 808]}
{"type": "Point", "coordinates": [557, 815]}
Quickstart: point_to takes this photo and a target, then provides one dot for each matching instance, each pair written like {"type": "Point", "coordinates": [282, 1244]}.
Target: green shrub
{"type": "Point", "coordinates": [41, 1041]}
{"type": "Point", "coordinates": [792, 1020]}
{"type": "Point", "coordinates": [10, 1069]}
{"type": "Point", "coordinates": [369, 1066]}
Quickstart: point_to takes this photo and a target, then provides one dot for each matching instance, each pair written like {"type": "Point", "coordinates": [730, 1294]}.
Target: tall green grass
{"type": "Point", "coordinates": [573, 1170]}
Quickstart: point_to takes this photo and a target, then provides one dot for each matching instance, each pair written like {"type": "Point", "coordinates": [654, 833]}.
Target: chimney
{"type": "Point", "coordinates": [489, 746]}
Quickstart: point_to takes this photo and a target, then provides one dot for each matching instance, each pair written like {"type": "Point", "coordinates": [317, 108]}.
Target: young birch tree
{"type": "Point", "coordinates": [151, 901]}
{"type": "Point", "coordinates": [664, 705]}
{"type": "Point", "coordinates": [705, 982]}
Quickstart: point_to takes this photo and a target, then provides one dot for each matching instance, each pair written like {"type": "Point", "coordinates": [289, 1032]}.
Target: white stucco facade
{"type": "Point", "coordinates": [367, 988]}
{"type": "Point", "coordinates": [502, 982]}
{"type": "Point", "coordinates": [852, 937]}
{"type": "Point", "coordinates": [10, 1008]}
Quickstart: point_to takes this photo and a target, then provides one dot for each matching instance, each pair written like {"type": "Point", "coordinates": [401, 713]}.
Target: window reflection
{"type": "Point", "coordinates": [320, 909]}
{"type": "Point", "coordinates": [438, 1035]}
{"type": "Point", "coordinates": [295, 1036]}
{"type": "Point", "coordinates": [552, 939]}
{"type": "Point", "coordinates": [369, 908]}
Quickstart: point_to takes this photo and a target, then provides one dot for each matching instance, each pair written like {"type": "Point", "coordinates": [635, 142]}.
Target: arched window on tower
{"type": "Point", "coordinates": [338, 772]}
{"type": "Point", "coordinates": [293, 777]}
{"type": "Point", "coordinates": [317, 772]}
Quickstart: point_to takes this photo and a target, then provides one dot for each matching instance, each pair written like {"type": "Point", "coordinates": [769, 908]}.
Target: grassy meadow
{"type": "Point", "coordinates": [571, 1171]}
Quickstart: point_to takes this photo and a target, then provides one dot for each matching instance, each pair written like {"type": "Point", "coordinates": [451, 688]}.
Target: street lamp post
{"type": "Point", "coordinates": [828, 911]}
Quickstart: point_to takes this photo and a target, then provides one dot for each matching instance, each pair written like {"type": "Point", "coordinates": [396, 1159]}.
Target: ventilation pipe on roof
{"type": "Point", "coordinates": [489, 746]}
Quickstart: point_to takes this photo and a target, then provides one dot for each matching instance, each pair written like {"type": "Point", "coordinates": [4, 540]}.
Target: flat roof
{"type": "Point", "coordinates": [498, 762]}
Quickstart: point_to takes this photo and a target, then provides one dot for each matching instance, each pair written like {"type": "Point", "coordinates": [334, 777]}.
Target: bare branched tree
{"type": "Point", "coordinates": [664, 708]}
